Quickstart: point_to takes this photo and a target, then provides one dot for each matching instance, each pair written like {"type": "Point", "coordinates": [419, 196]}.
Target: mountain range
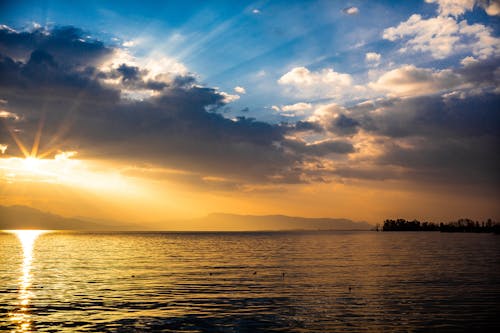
{"type": "Point", "coordinates": [22, 217]}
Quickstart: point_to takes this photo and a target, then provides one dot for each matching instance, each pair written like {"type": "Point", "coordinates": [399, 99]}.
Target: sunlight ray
{"type": "Point", "coordinates": [38, 136]}
{"type": "Point", "coordinates": [18, 141]}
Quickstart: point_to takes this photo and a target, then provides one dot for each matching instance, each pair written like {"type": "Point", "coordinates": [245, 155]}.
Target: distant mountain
{"type": "Point", "coordinates": [233, 222]}
{"type": "Point", "coordinates": [22, 217]}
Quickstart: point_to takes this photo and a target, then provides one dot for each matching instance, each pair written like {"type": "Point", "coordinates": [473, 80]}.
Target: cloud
{"type": "Point", "coordinates": [459, 7]}
{"type": "Point", "coordinates": [297, 107]}
{"type": "Point", "coordinates": [240, 90]}
{"type": "Point", "coordinates": [181, 126]}
{"type": "Point", "coordinates": [228, 98]}
{"type": "Point", "coordinates": [324, 83]}
{"type": "Point", "coordinates": [350, 10]}
{"type": "Point", "coordinates": [69, 46]}
{"type": "Point", "coordinates": [8, 115]}
{"type": "Point", "coordinates": [152, 73]}
{"type": "Point", "coordinates": [129, 43]}
{"type": "Point", "coordinates": [491, 7]}
{"type": "Point", "coordinates": [424, 136]}
{"type": "Point", "coordinates": [322, 148]}
{"type": "Point", "coordinates": [453, 7]}
{"type": "Point", "coordinates": [468, 61]}
{"type": "Point", "coordinates": [443, 36]}
{"type": "Point", "coordinates": [335, 118]}
{"type": "Point", "coordinates": [428, 138]}
{"type": "Point", "coordinates": [292, 110]}
{"type": "Point", "coordinates": [409, 80]}
{"type": "Point", "coordinates": [432, 117]}
{"type": "Point", "coordinates": [372, 58]}
{"type": "Point", "coordinates": [256, 11]}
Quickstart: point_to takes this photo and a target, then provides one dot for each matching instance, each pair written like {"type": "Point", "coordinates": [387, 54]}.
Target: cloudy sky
{"type": "Point", "coordinates": [146, 111]}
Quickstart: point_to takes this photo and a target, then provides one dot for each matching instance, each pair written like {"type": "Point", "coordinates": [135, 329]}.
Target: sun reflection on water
{"type": "Point", "coordinates": [21, 315]}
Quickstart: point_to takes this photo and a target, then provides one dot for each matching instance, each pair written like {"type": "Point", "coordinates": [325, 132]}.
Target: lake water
{"type": "Point", "coordinates": [233, 282]}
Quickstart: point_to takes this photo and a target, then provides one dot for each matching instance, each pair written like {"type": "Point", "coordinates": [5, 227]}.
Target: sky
{"type": "Point", "coordinates": [155, 110]}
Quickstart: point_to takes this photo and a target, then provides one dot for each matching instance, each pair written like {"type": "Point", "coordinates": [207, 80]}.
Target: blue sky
{"type": "Point", "coordinates": [258, 96]}
{"type": "Point", "coordinates": [250, 44]}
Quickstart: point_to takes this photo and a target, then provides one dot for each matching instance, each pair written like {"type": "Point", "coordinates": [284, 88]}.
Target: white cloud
{"type": "Point", "coordinates": [297, 107]}
{"type": "Point", "coordinates": [459, 7]}
{"type": "Point", "coordinates": [350, 10]}
{"type": "Point", "coordinates": [158, 66]}
{"type": "Point", "coordinates": [325, 112]}
{"type": "Point", "coordinates": [444, 36]}
{"type": "Point", "coordinates": [436, 35]}
{"type": "Point", "coordinates": [491, 7]}
{"type": "Point", "coordinates": [467, 61]}
{"type": "Point", "coordinates": [8, 115]}
{"type": "Point", "coordinates": [155, 66]}
{"type": "Point", "coordinates": [485, 45]}
{"type": "Point", "coordinates": [323, 83]}
{"type": "Point", "coordinates": [6, 27]}
{"type": "Point", "coordinates": [256, 11]}
{"type": "Point", "coordinates": [129, 43]}
{"type": "Point", "coordinates": [373, 58]}
{"type": "Point", "coordinates": [409, 80]}
{"type": "Point", "coordinates": [240, 90]}
{"type": "Point", "coordinates": [324, 115]}
{"type": "Point", "coordinates": [228, 98]}
{"type": "Point", "coordinates": [292, 110]}
{"type": "Point", "coordinates": [453, 7]}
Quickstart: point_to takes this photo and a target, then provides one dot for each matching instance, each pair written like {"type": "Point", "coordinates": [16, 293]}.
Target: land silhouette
{"type": "Point", "coordinates": [22, 217]}
{"type": "Point", "coordinates": [460, 225]}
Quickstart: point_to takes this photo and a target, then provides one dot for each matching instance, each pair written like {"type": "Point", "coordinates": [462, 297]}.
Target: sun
{"type": "Point", "coordinates": [32, 164]}
{"type": "Point", "coordinates": [32, 168]}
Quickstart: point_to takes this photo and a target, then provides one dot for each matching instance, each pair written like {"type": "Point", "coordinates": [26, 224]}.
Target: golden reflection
{"type": "Point", "coordinates": [21, 316]}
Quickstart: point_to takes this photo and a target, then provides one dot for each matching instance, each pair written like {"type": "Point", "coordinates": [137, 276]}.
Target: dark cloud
{"type": "Point", "coordinates": [307, 126]}
{"type": "Point", "coordinates": [344, 125]}
{"type": "Point", "coordinates": [482, 74]}
{"type": "Point", "coordinates": [322, 148]}
{"type": "Point", "coordinates": [128, 73]}
{"type": "Point", "coordinates": [132, 77]}
{"type": "Point", "coordinates": [68, 45]}
{"type": "Point", "coordinates": [178, 128]}
{"type": "Point", "coordinates": [433, 139]}
{"type": "Point", "coordinates": [467, 160]}
{"type": "Point", "coordinates": [184, 81]}
{"type": "Point", "coordinates": [434, 117]}
{"type": "Point", "coordinates": [53, 76]}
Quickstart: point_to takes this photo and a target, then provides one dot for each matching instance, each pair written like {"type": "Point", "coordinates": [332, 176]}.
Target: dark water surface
{"type": "Point", "coordinates": [233, 282]}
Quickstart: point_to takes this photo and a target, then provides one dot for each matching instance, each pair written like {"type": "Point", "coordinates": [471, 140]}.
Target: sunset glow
{"type": "Point", "coordinates": [22, 316]}
{"type": "Point", "coordinates": [160, 121]}
{"type": "Point", "coordinates": [249, 166]}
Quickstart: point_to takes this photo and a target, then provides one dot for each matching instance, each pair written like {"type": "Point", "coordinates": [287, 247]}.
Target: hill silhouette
{"type": "Point", "coordinates": [234, 222]}
{"type": "Point", "coordinates": [22, 217]}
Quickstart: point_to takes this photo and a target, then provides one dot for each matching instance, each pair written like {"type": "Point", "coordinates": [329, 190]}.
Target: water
{"type": "Point", "coordinates": [233, 282]}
